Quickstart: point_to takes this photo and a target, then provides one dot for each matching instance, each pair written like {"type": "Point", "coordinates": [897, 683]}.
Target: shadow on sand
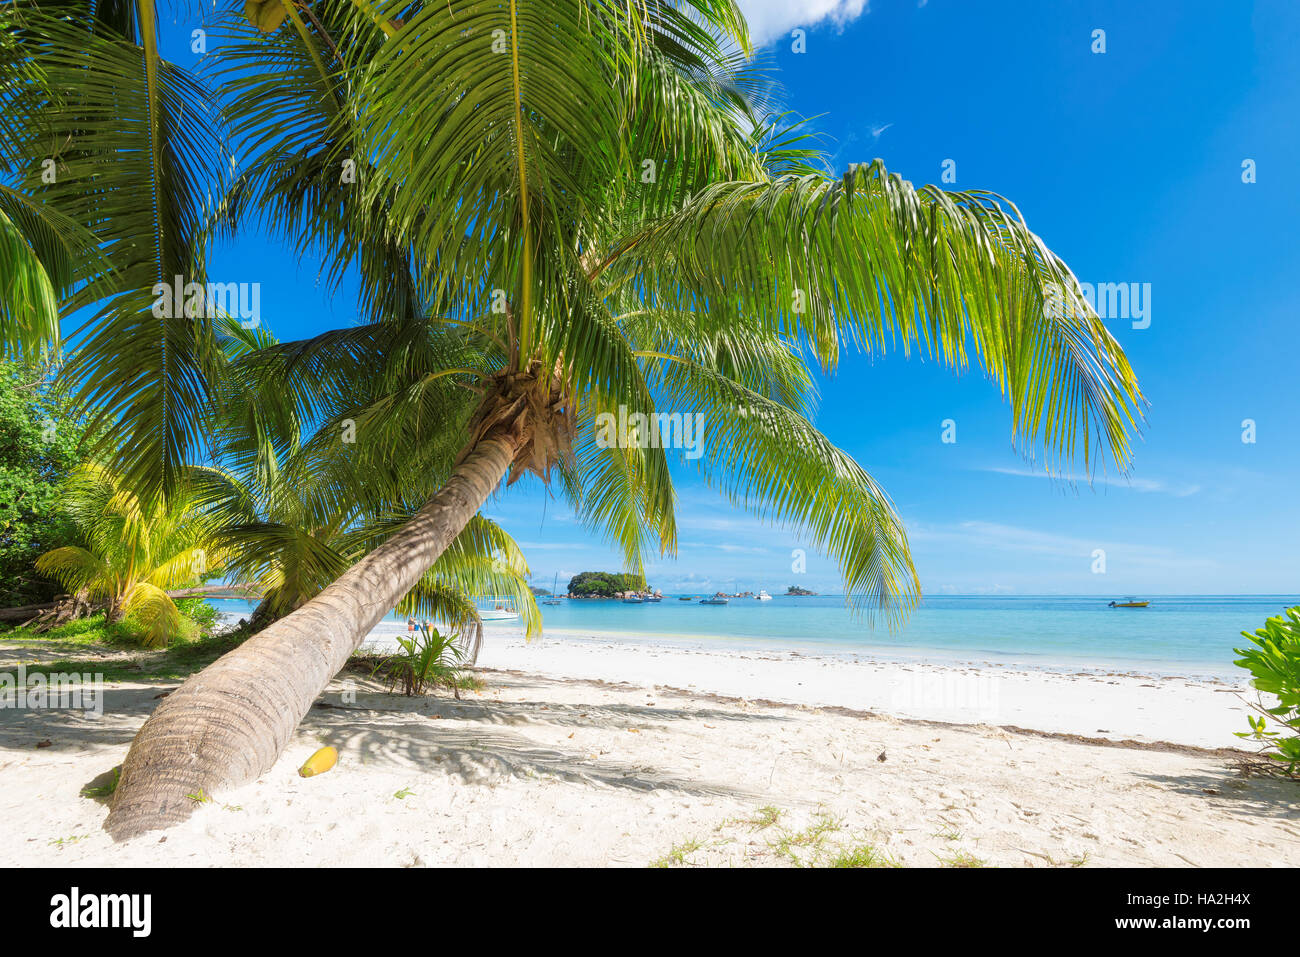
{"type": "Point", "coordinates": [1245, 796]}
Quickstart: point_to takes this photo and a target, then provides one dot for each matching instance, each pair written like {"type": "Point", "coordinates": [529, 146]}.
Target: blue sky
{"type": "Point", "coordinates": [1129, 164]}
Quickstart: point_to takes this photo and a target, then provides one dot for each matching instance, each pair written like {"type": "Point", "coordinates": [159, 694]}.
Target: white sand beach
{"type": "Point", "coordinates": [579, 753]}
{"type": "Point", "coordinates": [1118, 705]}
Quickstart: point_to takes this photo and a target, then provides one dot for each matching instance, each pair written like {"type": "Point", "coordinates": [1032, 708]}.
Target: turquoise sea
{"type": "Point", "coordinates": [1176, 635]}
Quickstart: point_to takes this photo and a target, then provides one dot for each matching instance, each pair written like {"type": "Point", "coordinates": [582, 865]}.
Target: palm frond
{"type": "Point", "coordinates": [133, 143]}
{"type": "Point", "coordinates": [154, 609]}
{"type": "Point", "coordinates": [75, 568]}
{"type": "Point", "coordinates": [871, 260]}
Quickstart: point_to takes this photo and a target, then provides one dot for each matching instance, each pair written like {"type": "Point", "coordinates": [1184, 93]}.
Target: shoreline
{"type": "Point", "coordinates": [722, 643]}
{"type": "Point", "coordinates": [1199, 711]}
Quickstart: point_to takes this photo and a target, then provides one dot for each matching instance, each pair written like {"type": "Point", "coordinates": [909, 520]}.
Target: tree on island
{"type": "Point", "coordinates": [604, 584]}
{"type": "Point", "coordinates": [796, 590]}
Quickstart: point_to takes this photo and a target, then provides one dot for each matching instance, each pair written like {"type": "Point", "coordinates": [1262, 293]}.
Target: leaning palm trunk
{"type": "Point", "coordinates": [227, 724]}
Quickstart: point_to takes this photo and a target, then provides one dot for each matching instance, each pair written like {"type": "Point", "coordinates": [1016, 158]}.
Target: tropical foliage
{"type": "Point", "coordinates": [326, 448]}
{"type": "Point", "coordinates": [425, 660]}
{"type": "Point", "coordinates": [1274, 665]}
{"type": "Point", "coordinates": [40, 438]}
{"type": "Point", "coordinates": [135, 552]}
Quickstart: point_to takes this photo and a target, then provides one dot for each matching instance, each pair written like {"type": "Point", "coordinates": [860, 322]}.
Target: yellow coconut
{"type": "Point", "coordinates": [320, 762]}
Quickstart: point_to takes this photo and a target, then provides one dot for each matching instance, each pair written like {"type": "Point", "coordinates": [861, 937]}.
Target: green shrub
{"type": "Point", "coordinates": [1274, 664]}
{"type": "Point", "coordinates": [198, 611]}
{"type": "Point", "coordinates": [40, 438]}
{"type": "Point", "coordinates": [129, 632]}
{"type": "Point", "coordinates": [425, 661]}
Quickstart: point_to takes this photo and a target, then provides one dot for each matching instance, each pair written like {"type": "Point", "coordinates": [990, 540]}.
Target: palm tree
{"type": "Point", "coordinates": [135, 552]}
{"type": "Point", "coordinates": [584, 204]}
{"type": "Point", "coordinates": [291, 515]}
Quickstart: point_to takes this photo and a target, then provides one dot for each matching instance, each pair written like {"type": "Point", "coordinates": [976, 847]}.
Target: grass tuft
{"type": "Point", "coordinates": [864, 855]}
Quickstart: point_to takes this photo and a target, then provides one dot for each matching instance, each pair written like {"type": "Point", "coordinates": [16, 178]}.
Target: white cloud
{"type": "Point", "coordinates": [1180, 490]}
{"type": "Point", "coordinates": [770, 19]}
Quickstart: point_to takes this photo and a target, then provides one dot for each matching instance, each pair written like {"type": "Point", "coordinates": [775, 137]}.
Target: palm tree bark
{"type": "Point", "coordinates": [228, 724]}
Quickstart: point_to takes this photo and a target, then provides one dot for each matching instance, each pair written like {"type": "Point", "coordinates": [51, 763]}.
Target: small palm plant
{"type": "Point", "coordinates": [425, 661]}
{"type": "Point", "coordinates": [134, 553]}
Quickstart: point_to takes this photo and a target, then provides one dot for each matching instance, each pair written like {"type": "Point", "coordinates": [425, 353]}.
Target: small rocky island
{"type": "Point", "coordinates": [796, 590]}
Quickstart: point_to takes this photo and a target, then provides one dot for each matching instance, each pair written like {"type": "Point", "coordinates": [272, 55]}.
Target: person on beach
{"type": "Point", "coordinates": [410, 625]}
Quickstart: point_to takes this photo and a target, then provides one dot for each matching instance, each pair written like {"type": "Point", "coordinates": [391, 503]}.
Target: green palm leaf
{"type": "Point", "coordinates": [133, 144]}
{"type": "Point", "coordinates": [874, 261]}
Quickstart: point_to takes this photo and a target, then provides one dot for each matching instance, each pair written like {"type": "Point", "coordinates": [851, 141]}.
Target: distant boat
{"type": "Point", "coordinates": [715, 600]}
{"type": "Point", "coordinates": [553, 600]}
{"type": "Point", "coordinates": [762, 596]}
{"type": "Point", "coordinates": [634, 600]}
{"type": "Point", "coordinates": [495, 608]}
{"type": "Point", "coordinates": [1129, 602]}
{"type": "Point", "coordinates": [686, 598]}
{"type": "Point", "coordinates": [654, 598]}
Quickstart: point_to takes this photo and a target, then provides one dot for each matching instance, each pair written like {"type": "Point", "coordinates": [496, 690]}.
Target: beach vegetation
{"type": "Point", "coordinates": [1273, 661]}
{"type": "Point", "coordinates": [526, 268]}
{"type": "Point", "coordinates": [105, 789]}
{"type": "Point", "coordinates": [132, 553]}
{"type": "Point", "coordinates": [198, 621]}
{"type": "Point", "coordinates": [677, 857]}
{"type": "Point", "coordinates": [176, 662]}
{"type": "Point", "coordinates": [425, 660]}
{"type": "Point", "coordinates": [93, 629]}
{"type": "Point", "coordinates": [65, 841]}
{"type": "Point", "coordinates": [805, 845]}
{"type": "Point", "coordinates": [40, 444]}
{"type": "Point", "coordinates": [863, 855]}
{"type": "Point", "coordinates": [960, 859]}
{"type": "Point", "coordinates": [764, 818]}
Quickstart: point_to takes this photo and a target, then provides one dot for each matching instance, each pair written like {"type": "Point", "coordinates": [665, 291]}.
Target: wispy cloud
{"type": "Point", "coordinates": [977, 535]}
{"type": "Point", "coordinates": [727, 547]}
{"type": "Point", "coordinates": [1180, 490]}
{"type": "Point", "coordinates": [770, 19]}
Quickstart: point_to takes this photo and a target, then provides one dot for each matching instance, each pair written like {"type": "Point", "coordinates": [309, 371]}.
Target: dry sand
{"type": "Point", "coordinates": [1098, 702]}
{"type": "Point", "coordinates": [547, 771]}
